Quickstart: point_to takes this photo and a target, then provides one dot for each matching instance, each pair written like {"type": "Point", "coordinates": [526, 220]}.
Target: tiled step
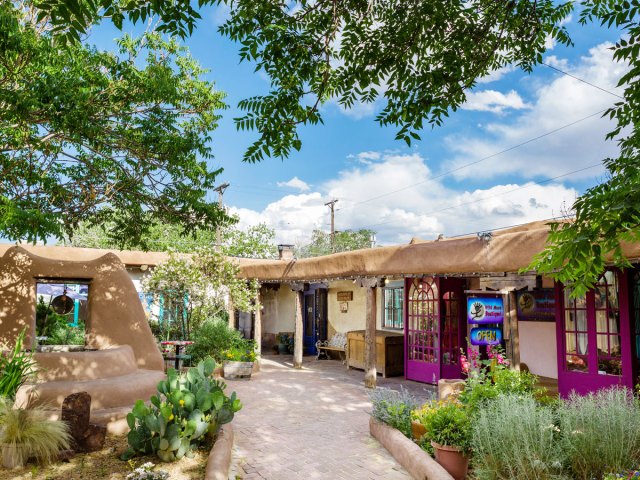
{"type": "Point", "coordinates": [106, 393]}
{"type": "Point", "coordinates": [86, 365]}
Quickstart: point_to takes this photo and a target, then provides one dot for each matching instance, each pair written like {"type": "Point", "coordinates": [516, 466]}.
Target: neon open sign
{"type": "Point", "coordinates": [486, 336]}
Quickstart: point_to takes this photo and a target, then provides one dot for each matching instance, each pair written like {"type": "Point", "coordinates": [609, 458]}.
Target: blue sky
{"type": "Point", "coordinates": [403, 192]}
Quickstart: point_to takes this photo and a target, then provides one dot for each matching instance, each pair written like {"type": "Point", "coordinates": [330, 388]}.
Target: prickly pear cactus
{"type": "Point", "coordinates": [188, 408]}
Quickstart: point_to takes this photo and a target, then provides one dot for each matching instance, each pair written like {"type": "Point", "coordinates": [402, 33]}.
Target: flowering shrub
{"type": "Point", "coordinates": [236, 354]}
{"type": "Point", "coordinates": [145, 472]}
{"type": "Point", "coordinates": [620, 476]}
{"type": "Point", "coordinates": [393, 408]}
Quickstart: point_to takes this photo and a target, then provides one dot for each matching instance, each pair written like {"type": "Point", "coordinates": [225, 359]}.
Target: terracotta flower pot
{"type": "Point", "coordinates": [452, 459]}
{"type": "Point", "coordinates": [417, 430]}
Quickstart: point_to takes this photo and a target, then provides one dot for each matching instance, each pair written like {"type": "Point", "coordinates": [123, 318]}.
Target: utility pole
{"type": "Point", "coordinates": [331, 205]}
{"type": "Point", "coordinates": [220, 189]}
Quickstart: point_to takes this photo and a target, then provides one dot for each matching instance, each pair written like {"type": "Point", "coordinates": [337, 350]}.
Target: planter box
{"type": "Point", "coordinates": [238, 369]}
{"type": "Point", "coordinates": [416, 461]}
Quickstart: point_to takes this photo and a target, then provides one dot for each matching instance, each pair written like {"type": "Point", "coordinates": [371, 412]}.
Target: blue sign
{"type": "Point", "coordinates": [486, 336]}
{"type": "Point", "coordinates": [485, 310]}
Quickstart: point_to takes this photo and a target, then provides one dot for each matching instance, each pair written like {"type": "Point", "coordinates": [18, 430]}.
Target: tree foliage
{"type": "Point", "coordinates": [195, 288]}
{"type": "Point", "coordinates": [92, 136]}
{"type": "Point", "coordinates": [257, 241]}
{"type": "Point", "coordinates": [345, 240]}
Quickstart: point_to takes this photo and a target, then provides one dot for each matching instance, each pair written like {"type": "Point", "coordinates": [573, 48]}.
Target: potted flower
{"type": "Point", "coordinates": [449, 427]}
{"type": "Point", "coordinates": [238, 361]}
{"type": "Point", "coordinates": [285, 343]}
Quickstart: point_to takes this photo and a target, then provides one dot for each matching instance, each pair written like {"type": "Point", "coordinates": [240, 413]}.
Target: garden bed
{"type": "Point", "coordinates": [106, 464]}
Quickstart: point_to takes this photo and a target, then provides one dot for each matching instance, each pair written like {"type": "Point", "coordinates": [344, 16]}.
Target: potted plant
{"type": "Point", "coordinates": [238, 361]}
{"type": "Point", "coordinates": [418, 420]}
{"type": "Point", "coordinates": [285, 343]}
{"type": "Point", "coordinates": [27, 433]}
{"type": "Point", "coordinates": [449, 426]}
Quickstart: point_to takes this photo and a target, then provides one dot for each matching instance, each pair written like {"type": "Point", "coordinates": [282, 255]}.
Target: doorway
{"type": "Point", "coordinates": [314, 325]}
{"type": "Point", "coordinates": [435, 328]}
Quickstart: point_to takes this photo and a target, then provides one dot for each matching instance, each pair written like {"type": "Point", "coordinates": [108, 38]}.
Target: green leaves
{"type": "Point", "coordinates": [88, 136]}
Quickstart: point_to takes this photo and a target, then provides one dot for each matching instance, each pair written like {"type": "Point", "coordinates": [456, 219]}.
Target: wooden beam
{"type": "Point", "coordinates": [297, 339]}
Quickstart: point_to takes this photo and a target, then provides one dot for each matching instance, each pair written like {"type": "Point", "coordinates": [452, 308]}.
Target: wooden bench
{"type": "Point", "coordinates": [337, 343]}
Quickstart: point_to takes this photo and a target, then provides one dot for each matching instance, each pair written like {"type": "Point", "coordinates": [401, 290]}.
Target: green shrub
{"type": "Point", "coordinates": [514, 437]}
{"type": "Point", "coordinates": [601, 433]}
{"type": "Point", "coordinates": [247, 354]}
{"type": "Point", "coordinates": [16, 368]}
{"type": "Point", "coordinates": [393, 408]}
{"type": "Point", "coordinates": [64, 333]}
{"type": "Point", "coordinates": [188, 409]}
{"type": "Point", "coordinates": [29, 434]}
{"type": "Point", "coordinates": [214, 338]}
{"type": "Point", "coordinates": [449, 423]}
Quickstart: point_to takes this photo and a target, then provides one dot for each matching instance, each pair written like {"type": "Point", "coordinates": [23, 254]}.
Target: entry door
{"type": "Point", "coordinates": [315, 318]}
{"type": "Point", "coordinates": [453, 325]}
{"type": "Point", "coordinates": [422, 330]}
{"type": "Point", "coordinates": [594, 336]}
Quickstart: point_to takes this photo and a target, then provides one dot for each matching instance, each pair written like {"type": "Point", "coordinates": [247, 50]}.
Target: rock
{"type": "Point", "coordinates": [66, 455]}
{"type": "Point", "coordinates": [94, 438]}
{"type": "Point", "coordinates": [76, 412]}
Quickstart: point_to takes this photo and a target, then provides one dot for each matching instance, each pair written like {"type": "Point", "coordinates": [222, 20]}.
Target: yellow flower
{"type": "Point", "coordinates": [181, 402]}
{"type": "Point", "coordinates": [171, 417]}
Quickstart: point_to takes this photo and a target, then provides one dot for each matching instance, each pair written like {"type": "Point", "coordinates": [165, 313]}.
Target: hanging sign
{"type": "Point", "coordinates": [485, 310]}
{"type": "Point", "coordinates": [345, 296]}
{"type": "Point", "coordinates": [537, 305]}
{"type": "Point", "coordinates": [486, 336]}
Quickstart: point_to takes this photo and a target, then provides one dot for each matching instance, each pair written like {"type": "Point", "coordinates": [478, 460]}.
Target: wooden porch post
{"type": "Point", "coordinates": [257, 328]}
{"type": "Point", "coordinates": [370, 360]}
{"type": "Point", "coordinates": [298, 288]}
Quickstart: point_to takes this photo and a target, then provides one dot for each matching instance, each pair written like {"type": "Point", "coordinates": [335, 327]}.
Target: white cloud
{"type": "Point", "coordinates": [558, 103]}
{"type": "Point", "coordinates": [497, 74]}
{"type": "Point", "coordinates": [296, 183]}
{"type": "Point", "coordinates": [410, 203]}
{"type": "Point", "coordinates": [494, 101]}
{"type": "Point", "coordinates": [365, 158]}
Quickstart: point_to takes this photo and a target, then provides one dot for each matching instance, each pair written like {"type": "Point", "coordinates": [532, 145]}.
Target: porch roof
{"type": "Point", "coordinates": [507, 251]}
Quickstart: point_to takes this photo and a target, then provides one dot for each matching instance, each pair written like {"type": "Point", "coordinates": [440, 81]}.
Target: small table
{"type": "Point", "coordinates": [178, 344]}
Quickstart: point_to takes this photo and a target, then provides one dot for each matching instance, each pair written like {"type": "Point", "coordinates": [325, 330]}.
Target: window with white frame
{"type": "Point", "coordinates": [392, 307]}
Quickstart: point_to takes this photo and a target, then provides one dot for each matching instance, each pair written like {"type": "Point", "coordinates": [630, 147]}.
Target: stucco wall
{"type": "Point", "coordinates": [354, 318]}
{"type": "Point", "coordinates": [278, 314]}
{"type": "Point", "coordinates": [538, 347]}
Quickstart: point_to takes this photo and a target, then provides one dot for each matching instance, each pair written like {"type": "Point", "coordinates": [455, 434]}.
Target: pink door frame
{"type": "Point", "coordinates": [585, 382]}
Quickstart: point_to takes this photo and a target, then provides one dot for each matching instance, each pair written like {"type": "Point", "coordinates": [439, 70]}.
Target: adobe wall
{"type": "Point", "coordinates": [116, 316]}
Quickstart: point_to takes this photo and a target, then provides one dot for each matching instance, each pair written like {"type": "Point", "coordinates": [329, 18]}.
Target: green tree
{"type": "Point", "coordinates": [345, 241]}
{"type": "Point", "coordinates": [257, 241]}
{"type": "Point", "coordinates": [91, 136]}
{"type": "Point", "coordinates": [195, 288]}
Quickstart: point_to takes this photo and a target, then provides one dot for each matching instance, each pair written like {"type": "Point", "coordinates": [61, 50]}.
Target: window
{"type": "Point", "coordinates": [392, 308]}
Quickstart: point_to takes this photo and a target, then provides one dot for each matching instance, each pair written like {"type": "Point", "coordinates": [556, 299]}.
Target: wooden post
{"type": "Point", "coordinates": [298, 288]}
{"type": "Point", "coordinates": [231, 311]}
{"type": "Point", "coordinates": [370, 359]}
{"type": "Point", "coordinates": [514, 335]}
{"type": "Point", "coordinates": [257, 328]}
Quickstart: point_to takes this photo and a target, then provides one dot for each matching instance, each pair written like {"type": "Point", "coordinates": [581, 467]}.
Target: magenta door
{"type": "Point", "coordinates": [453, 326]}
{"type": "Point", "coordinates": [422, 330]}
{"type": "Point", "coordinates": [594, 336]}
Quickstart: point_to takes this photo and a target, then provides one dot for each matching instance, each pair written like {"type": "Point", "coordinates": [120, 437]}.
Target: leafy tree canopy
{"type": "Point", "coordinates": [253, 242]}
{"type": "Point", "coordinates": [419, 57]}
{"type": "Point", "coordinates": [90, 136]}
{"type": "Point", "coordinates": [345, 241]}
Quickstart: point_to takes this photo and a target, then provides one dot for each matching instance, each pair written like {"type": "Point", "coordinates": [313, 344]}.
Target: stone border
{"type": "Point", "coordinates": [219, 460]}
{"type": "Point", "coordinates": [416, 461]}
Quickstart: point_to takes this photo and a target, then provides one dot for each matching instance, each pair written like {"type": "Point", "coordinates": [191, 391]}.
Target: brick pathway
{"type": "Point", "coordinates": [309, 423]}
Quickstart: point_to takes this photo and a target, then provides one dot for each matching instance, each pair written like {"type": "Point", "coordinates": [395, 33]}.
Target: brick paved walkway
{"type": "Point", "coordinates": [309, 423]}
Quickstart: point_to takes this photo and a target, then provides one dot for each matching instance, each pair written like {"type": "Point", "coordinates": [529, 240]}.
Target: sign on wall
{"type": "Point", "coordinates": [485, 310]}
{"type": "Point", "coordinates": [536, 305]}
{"type": "Point", "coordinates": [345, 296]}
{"type": "Point", "coordinates": [486, 336]}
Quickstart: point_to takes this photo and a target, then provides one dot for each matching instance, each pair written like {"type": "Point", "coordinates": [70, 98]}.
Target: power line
{"type": "Point", "coordinates": [582, 80]}
{"type": "Point", "coordinates": [507, 226]}
{"type": "Point", "coordinates": [466, 165]}
{"type": "Point", "coordinates": [452, 207]}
